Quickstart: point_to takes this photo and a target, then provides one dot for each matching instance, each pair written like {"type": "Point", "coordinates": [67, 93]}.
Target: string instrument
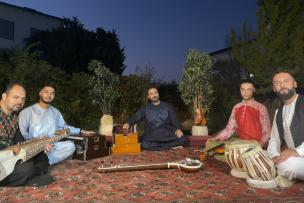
{"type": "Point", "coordinates": [188, 165]}
{"type": "Point", "coordinates": [25, 150]}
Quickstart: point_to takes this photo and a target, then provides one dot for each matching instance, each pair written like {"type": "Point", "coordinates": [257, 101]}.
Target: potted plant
{"type": "Point", "coordinates": [103, 84]}
{"type": "Point", "coordinates": [196, 89]}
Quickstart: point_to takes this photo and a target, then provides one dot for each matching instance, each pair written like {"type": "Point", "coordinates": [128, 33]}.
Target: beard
{"type": "Point", "coordinates": [46, 101]}
{"type": "Point", "coordinates": [285, 96]}
{"type": "Point", "coordinates": [154, 99]}
{"type": "Point", "coordinates": [16, 108]}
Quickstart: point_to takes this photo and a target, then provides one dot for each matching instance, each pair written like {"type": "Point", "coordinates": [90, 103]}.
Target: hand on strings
{"type": "Point", "coordinates": [48, 148]}
{"type": "Point", "coordinates": [179, 133]}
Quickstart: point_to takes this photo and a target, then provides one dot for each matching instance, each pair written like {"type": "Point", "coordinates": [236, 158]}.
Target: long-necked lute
{"type": "Point", "coordinates": [25, 150]}
{"type": "Point", "coordinates": [188, 165]}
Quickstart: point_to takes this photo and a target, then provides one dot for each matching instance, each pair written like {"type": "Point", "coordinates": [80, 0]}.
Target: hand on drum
{"type": "Point", "coordinates": [285, 155]}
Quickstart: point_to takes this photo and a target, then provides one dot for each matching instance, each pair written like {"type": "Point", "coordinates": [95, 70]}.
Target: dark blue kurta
{"type": "Point", "coordinates": [160, 125]}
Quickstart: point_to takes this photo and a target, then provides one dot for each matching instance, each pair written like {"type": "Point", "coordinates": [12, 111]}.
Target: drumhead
{"type": "Point", "coordinates": [240, 143]}
{"type": "Point", "coordinates": [261, 184]}
{"type": "Point", "coordinates": [251, 151]}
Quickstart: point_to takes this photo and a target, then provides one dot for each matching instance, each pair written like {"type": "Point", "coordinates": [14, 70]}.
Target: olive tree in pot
{"type": "Point", "coordinates": [196, 89]}
{"type": "Point", "coordinates": [103, 91]}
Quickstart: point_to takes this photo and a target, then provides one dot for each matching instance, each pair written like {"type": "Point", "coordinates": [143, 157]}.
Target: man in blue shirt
{"type": "Point", "coordinates": [162, 129]}
{"type": "Point", "coordinates": [42, 119]}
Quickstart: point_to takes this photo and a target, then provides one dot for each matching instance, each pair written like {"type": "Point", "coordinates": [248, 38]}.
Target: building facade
{"type": "Point", "coordinates": [18, 23]}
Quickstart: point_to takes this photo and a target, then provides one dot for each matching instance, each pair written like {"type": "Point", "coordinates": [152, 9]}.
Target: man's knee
{"type": "Point", "coordinates": [292, 168]}
{"type": "Point", "coordinates": [66, 147]}
{"type": "Point", "coordinates": [70, 147]}
{"type": "Point", "coordinates": [183, 140]}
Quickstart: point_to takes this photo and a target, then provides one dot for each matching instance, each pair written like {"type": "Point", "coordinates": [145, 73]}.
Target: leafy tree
{"type": "Point", "coordinates": [71, 47]}
{"type": "Point", "coordinates": [32, 73]}
{"type": "Point", "coordinates": [195, 86]}
{"type": "Point", "coordinates": [277, 45]}
{"type": "Point", "coordinates": [71, 98]}
{"type": "Point", "coordinates": [103, 86]}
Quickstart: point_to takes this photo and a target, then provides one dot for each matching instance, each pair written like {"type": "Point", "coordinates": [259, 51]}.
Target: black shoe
{"type": "Point", "coordinates": [41, 180]}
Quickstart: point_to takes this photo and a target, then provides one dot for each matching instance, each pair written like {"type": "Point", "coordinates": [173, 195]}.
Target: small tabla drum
{"type": "Point", "coordinates": [260, 168]}
{"type": "Point", "coordinates": [233, 152]}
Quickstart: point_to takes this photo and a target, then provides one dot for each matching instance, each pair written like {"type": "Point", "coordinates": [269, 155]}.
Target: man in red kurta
{"type": "Point", "coordinates": [249, 118]}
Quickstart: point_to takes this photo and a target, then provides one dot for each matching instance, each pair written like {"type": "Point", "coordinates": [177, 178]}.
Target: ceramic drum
{"type": "Point", "coordinates": [233, 152]}
{"type": "Point", "coordinates": [260, 168]}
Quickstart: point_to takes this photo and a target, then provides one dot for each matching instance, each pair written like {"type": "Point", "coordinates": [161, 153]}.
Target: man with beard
{"type": "Point", "coordinates": [162, 129]}
{"type": "Point", "coordinates": [286, 145]}
{"type": "Point", "coordinates": [33, 171]}
{"type": "Point", "coordinates": [42, 119]}
{"type": "Point", "coordinates": [249, 118]}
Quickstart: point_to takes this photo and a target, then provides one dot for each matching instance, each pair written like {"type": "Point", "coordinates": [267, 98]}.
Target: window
{"type": "Point", "coordinates": [6, 29]}
{"type": "Point", "coordinates": [34, 31]}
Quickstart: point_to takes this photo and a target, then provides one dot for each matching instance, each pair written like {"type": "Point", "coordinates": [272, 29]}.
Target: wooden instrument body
{"type": "Point", "coordinates": [188, 165]}
{"type": "Point", "coordinates": [25, 151]}
{"type": "Point", "coordinates": [8, 160]}
{"type": "Point", "coordinates": [90, 147]}
{"type": "Point", "coordinates": [126, 143]}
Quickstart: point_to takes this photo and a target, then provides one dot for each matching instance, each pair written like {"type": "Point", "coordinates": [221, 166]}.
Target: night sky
{"type": "Point", "coordinates": [157, 32]}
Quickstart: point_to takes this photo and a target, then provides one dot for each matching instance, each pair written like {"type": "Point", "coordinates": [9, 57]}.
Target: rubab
{"type": "Point", "coordinates": [24, 151]}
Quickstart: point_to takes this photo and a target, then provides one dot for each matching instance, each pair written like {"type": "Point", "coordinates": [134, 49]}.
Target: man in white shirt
{"type": "Point", "coordinates": [286, 145]}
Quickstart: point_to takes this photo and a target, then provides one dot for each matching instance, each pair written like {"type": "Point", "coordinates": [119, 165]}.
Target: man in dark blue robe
{"type": "Point", "coordinates": [162, 129]}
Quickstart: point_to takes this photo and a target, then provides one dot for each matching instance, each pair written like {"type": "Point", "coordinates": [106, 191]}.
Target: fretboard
{"type": "Point", "coordinates": [119, 168]}
{"type": "Point", "coordinates": [37, 145]}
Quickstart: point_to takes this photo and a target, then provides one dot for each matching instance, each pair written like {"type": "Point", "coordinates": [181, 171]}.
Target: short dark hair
{"type": "Point", "coordinates": [10, 86]}
{"type": "Point", "coordinates": [247, 81]}
{"type": "Point", "coordinates": [48, 84]}
{"type": "Point", "coordinates": [152, 87]}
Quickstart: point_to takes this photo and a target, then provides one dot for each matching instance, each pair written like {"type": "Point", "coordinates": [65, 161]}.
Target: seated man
{"type": "Point", "coordinates": [249, 118]}
{"type": "Point", "coordinates": [162, 129]}
{"type": "Point", "coordinates": [286, 145]}
{"type": "Point", "coordinates": [33, 171]}
{"type": "Point", "coordinates": [42, 119]}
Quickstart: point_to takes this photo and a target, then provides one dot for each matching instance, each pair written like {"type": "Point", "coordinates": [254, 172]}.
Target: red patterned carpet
{"type": "Point", "coordinates": [77, 181]}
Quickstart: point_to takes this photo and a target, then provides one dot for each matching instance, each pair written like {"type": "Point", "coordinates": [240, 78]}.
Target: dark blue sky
{"type": "Point", "coordinates": [157, 32]}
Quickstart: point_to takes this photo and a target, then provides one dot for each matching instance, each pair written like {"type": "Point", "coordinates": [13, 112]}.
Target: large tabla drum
{"type": "Point", "coordinates": [233, 152]}
{"type": "Point", "coordinates": [260, 168]}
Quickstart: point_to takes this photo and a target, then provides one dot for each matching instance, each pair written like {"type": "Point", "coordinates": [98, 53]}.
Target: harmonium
{"type": "Point", "coordinates": [125, 142]}
{"type": "Point", "coordinates": [90, 147]}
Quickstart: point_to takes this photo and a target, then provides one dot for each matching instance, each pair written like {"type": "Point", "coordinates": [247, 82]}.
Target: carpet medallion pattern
{"type": "Point", "coordinates": [78, 181]}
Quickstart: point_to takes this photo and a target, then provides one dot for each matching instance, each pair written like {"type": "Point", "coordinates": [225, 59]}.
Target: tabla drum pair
{"type": "Point", "coordinates": [248, 160]}
{"type": "Point", "coordinates": [233, 152]}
